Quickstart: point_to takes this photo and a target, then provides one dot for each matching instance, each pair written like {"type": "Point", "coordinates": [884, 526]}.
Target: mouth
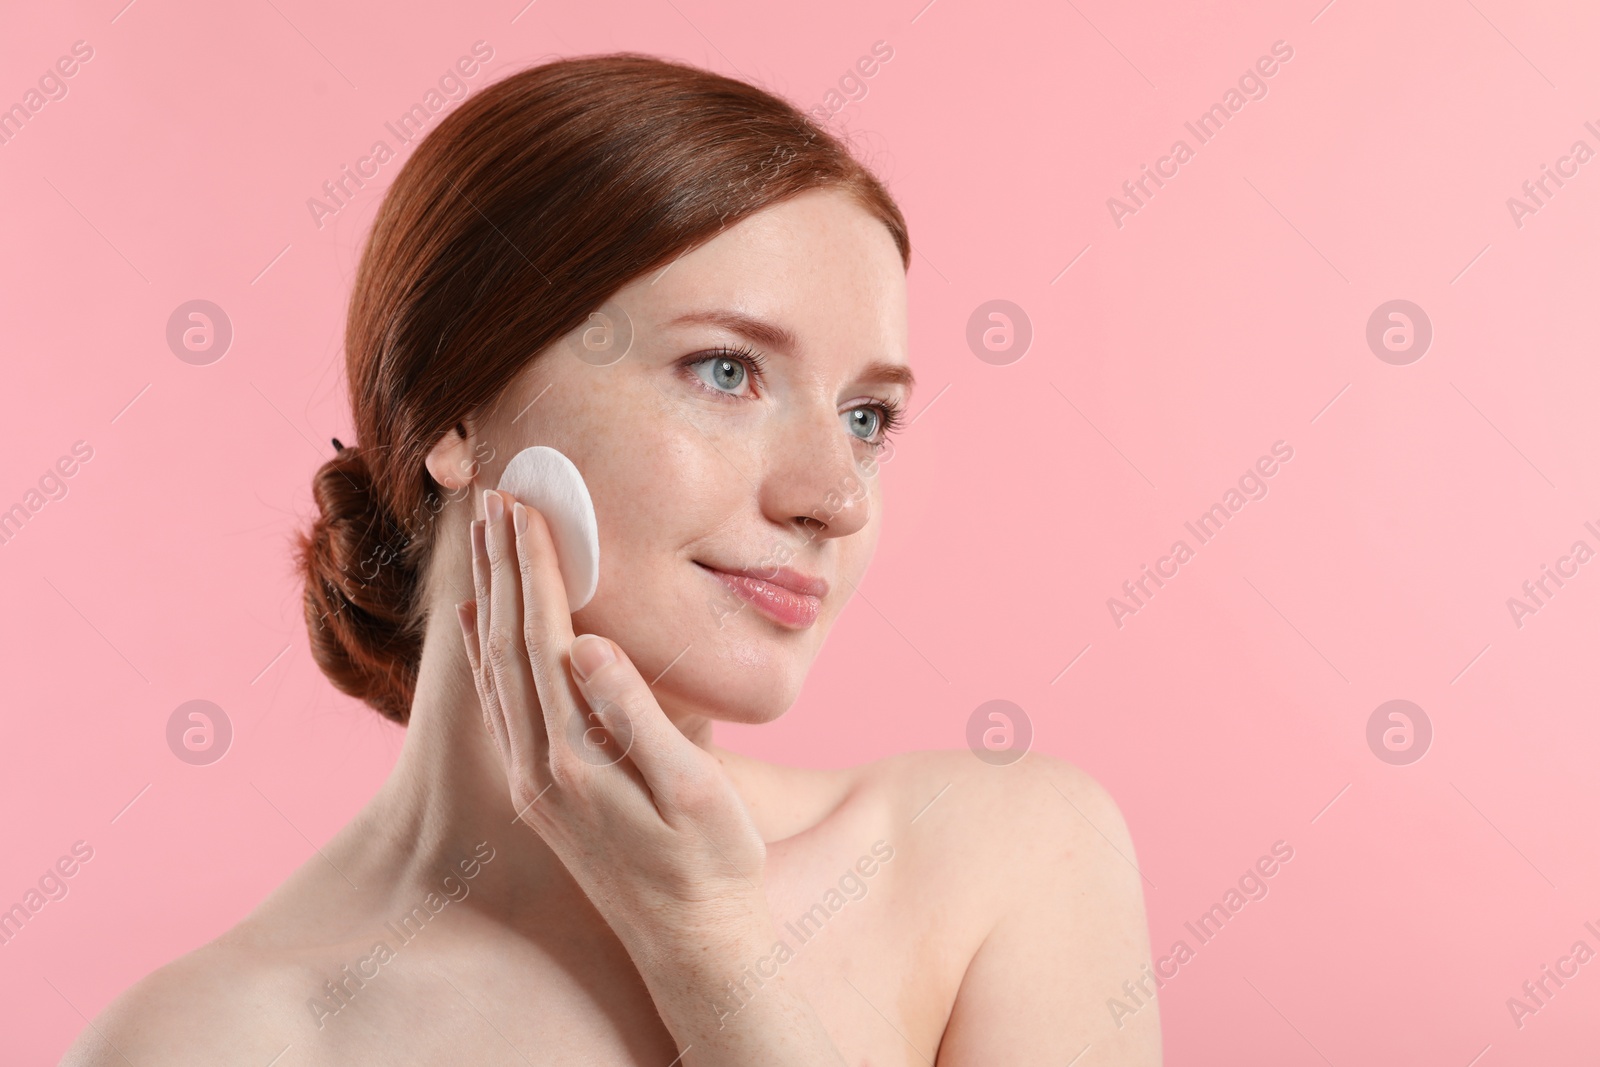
{"type": "Point", "coordinates": [787, 597]}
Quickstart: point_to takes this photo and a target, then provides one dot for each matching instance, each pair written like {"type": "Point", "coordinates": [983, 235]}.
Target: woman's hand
{"type": "Point", "coordinates": [646, 821]}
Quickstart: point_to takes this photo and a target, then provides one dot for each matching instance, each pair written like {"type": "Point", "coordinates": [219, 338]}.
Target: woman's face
{"type": "Point", "coordinates": [699, 462]}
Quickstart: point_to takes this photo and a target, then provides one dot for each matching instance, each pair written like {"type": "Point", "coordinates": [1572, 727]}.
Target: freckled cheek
{"type": "Point", "coordinates": [658, 504]}
{"type": "Point", "coordinates": [657, 489]}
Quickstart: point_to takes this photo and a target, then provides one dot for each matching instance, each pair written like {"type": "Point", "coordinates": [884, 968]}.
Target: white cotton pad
{"type": "Point", "coordinates": [544, 478]}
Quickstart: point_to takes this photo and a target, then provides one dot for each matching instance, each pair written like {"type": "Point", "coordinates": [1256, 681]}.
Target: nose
{"type": "Point", "coordinates": [814, 482]}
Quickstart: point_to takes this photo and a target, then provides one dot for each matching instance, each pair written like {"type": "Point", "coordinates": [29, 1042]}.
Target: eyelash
{"type": "Point", "coordinates": [890, 413]}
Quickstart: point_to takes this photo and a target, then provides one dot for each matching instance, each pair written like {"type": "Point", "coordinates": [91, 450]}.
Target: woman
{"type": "Point", "coordinates": [699, 297]}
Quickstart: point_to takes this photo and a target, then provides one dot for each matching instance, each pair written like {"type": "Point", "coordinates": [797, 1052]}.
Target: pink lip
{"type": "Point", "coordinates": [783, 595]}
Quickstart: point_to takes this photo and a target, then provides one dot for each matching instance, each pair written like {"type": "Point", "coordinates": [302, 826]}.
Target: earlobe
{"type": "Point", "coordinates": [452, 462]}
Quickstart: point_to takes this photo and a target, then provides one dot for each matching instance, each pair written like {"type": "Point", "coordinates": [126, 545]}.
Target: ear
{"type": "Point", "coordinates": [453, 462]}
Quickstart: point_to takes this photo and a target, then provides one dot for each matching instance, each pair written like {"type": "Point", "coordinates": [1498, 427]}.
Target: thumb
{"type": "Point", "coordinates": [622, 701]}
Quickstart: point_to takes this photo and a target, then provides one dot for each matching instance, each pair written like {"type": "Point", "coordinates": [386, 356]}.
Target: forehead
{"type": "Point", "coordinates": [818, 264]}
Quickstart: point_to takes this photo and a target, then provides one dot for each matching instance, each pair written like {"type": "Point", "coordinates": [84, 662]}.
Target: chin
{"type": "Point", "coordinates": [737, 674]}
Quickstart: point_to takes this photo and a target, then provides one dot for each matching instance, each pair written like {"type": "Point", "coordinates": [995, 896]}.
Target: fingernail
{"type": "Point", "coordinates": [493, 507]}
{"type": "Point", "coordinates": [519, 517]}
{"type": "Point", "coordinates": [461, 617]}
{"type": "Point", "coordinates": [589, 654]}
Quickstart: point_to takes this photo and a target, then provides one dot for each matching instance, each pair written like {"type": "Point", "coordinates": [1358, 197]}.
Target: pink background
{"type": "Point", "coordinates": [1228, 313]}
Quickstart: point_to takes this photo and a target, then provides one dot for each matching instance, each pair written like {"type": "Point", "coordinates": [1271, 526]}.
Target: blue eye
{"type": "Point", "coordinates": [726, 369]}
{"type": "Point", "coordinates": [859, 417]}
{"type": "Point", "coordinates": [881, 420]}
{"type": "Point", "coordinates": [729, 368]}
{"type": "Point", "coordinates": [727, 372]}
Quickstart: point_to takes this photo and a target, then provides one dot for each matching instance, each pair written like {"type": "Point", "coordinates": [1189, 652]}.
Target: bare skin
{"type": "Point", "coordinates": [934, 909]}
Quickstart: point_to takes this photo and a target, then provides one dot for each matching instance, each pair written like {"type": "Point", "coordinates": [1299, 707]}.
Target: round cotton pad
{"type": "Point", "coordinates": [544, 478]}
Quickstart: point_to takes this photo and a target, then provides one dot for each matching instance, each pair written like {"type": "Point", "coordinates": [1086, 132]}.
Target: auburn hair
{"type": "Point", "coordinates": [520, 213]}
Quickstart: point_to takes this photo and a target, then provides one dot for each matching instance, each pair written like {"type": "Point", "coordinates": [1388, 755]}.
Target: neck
{"type": "Point", "coordinates": [449, 790]}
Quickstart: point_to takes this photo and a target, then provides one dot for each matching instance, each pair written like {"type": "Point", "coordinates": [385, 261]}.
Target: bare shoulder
{"type": "Point", "coordinates": [205, 1007]}
{"type": "Point", "coordinates": [1019, 815]}
{"type": "Point", "coordinates": [978, 841]}
{"type": "Point", "coordinates": [1032, 862]}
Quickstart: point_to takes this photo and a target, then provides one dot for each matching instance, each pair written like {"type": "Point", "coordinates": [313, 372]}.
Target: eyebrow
{"type": "Point", "coordinates": [771, 335]}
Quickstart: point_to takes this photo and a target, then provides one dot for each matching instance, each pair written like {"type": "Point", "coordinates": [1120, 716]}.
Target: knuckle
{"type": "Point", "coordinates": [525, 791]}
{"type": "Point", "coordinates": [696, 793]}
{"type": "Point", "coordinates": [539, 656]}
{"type": "Point", "coordinates": [499, 653]}
{"type": "Point", "coordinates": [566, 769]}
{"type": "Point", "coordinates": [615, 710]}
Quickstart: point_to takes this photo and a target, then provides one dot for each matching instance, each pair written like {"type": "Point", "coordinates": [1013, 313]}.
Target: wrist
{"type": "Point", "coordinates": [716, 973]}
{"type": "Point", "coordinates": [713, 932]}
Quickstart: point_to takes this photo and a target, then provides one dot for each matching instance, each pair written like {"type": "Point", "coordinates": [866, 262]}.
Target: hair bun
{"type": "Point", "coordinates": [360, 578]}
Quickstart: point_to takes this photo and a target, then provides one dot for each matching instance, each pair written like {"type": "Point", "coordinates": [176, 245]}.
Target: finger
{"type": "Point", "coordinates": [506, 656]}
{"type": "Point", "coordinates": [620, 696]}
{"type": "Point", "coordinates": [493, 714]}
{"type": "Point", "coordinates": [547, 634]}
{"type": "Point", "coordinates": [466, 615]}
